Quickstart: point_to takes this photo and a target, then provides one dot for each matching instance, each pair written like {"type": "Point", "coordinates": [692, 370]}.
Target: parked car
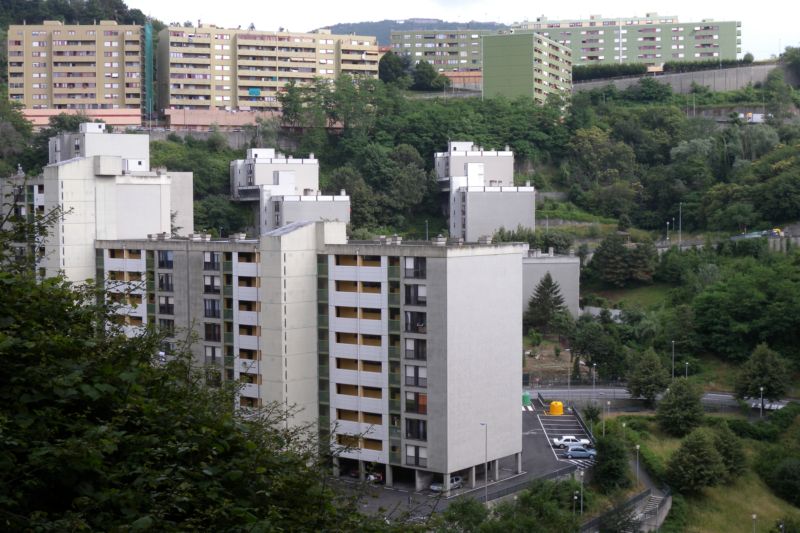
{"type": "Point", "coordinates": [570, 440]}
{"type": "Point", "coordinates": [581, 452]}
{"type": "Point", "coordinates": [375, 477]}
{"type": "Point", "coordinates": [456, 482]}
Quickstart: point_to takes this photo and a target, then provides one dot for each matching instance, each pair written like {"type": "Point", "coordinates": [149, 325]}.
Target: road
{"type": "Point", "coordinates": [584, 392]}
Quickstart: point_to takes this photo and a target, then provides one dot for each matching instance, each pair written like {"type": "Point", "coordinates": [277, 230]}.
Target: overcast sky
{"type": "Point", "coordinates": [767, 26]}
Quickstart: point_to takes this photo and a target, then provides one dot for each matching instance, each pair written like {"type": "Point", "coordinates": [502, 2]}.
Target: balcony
{"type": "Point", "coordinates": [394, 299]}
{"type": "Point", "coordinates": [227, 266]}
{"type": "Point", "coordinates": [394, 326]}
{"type": "Point", "coordinates": [413, 381]}
{"type": "Point", "coordinates": [394, 406]}
{"type": "Point", "coordinates": [166, 309]}
{"type": "Point", "coordinates": [418, 327]}
{"type": "Point", "coordinates": [415, 273]}
{"type": "Point", "coordinates": [394, 432]}
{"type": "Point", "coordinates": [394, 457]}
{"type": "Point", "coordinates": [322, 268]}
{"type": "Point", "coordinates": [394, 380]}
{"type": "Point", "coordinates": [322, 295]}
{"type": "Point", "coordinates": [227, 290]}
{"type": "Point", "coordinates": [324, 396]}
{"type": "Point", "coordinates": [416, 461]}
{"type": "Point", "coordinates": [322, 321]}
{"type": "Point", "coordinates": [394, 352]}
{"type": "Point", "coordinates": [418, 354]}
{"type": "Point", "coordinates": [211, 265]}
{"type": "Point", "coordinates": [322, 346]}
{"type": "Point", "coordinates": [394, 272]}
{"type": "Point", "coordinates": [227, 314]}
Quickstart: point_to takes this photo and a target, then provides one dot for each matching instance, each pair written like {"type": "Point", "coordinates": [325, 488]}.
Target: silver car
{"type": "Point", "coordinates": [581, 452]}
{"type": "Point", "coordinates": [456, 482]}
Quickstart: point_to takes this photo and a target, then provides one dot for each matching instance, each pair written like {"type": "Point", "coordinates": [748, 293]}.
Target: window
{"type": "Point", "coordinates": [211, 261]}
{"type": "Point", "coordinates": [416, 429]}
{"type": "Point", "coordinates": [416, 322]}
{"type": "Point", "coordinates": [211, 284]}
{"type": "Point", "coordinates": [166, 305]}
{"type": "Point", "coordinates": [416, 349]}
{"type": "Point", "coordinates": [417, 402]}
{"type": "Point", "coordinates": [415, 267]}
{"type": "Point", "coordinates": [213, 355]}
{"type": "Point", "coordinates": [416, 294]}
{"type": "Point", "coordinates": [416, 376]}
{"type": "Point", "coordinates": [416, 455]}
{"type": "Point", "coordinates": [165, 282]}
{"type": "Point", "coordinates": [212, 308]}
{"type": "Point", "coordinates": [167, 326]}
{"type": "Point", "coordinates": [213, 332]}
{"type": "Point", "coordinates": [165, 259]}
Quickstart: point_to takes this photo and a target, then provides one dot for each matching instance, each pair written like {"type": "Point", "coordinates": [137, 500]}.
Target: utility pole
{"type": "Point", "coordinates": [680, 224]}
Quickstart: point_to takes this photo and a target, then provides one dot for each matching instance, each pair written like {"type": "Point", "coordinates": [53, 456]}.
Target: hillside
{"type": "Point", "coordinates": [382, 28]}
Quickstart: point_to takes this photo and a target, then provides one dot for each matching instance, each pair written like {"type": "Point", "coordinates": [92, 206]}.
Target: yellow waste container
{"type": "Point", "coordinates": [556, 408]}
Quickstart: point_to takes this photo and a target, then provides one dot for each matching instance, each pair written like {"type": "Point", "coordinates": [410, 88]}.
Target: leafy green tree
{"type": "Point", "coordinates": [609, 261]}
{"type": "Point", "coordinates": [591, 413]}
{"type": "Point", "coordinates": [363, 201]}
{"type": "Point", "coordinates": [731, 450]}
{"type": "Point", "coordinates": [647, 378]}
{"type": "Point", "coordinates": [696, 464]}
{"type": "Point", "coordinates": [786, 480]}
{"type": "Point", "coordinates": [764, 368]}
{"type": "Point", "coordinates": [427, 79]}
{"type": "Point", "coordinates": [598, 158]}
{"type": "Point", "coordinates": [544, 304]}
{"type": "Point", "coordinates": [465, 515]}
{"type": "Point", "coordinates": [612, 470]}
{"type": "Point", "coordinates": [598, 344]}
{"type": "Point", "coordinates": [393, 68]}
{"type": "Point", "coordinates": [95, 436]}
{"type": "Point", "coordinates": [679, 410]}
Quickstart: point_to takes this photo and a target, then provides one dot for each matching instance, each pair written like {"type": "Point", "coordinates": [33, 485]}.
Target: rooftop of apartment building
{"type": "Point", "coordinates": [439, 246]}
{"type": "Point", "coordinates": [593, 20]}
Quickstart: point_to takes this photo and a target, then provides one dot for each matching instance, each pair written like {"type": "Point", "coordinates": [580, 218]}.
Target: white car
{"type": "Point", "coordinates": [567, 441]}
{"type": "Point", "coordinates": [456, 482]}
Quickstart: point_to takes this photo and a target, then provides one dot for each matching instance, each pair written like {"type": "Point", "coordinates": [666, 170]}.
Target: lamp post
{"type": "Point", "coordinates": [680, 224]}
{"type": "Point", "coordinates": [754, 522]}
{"type": "Point", "coordinates": [569, 377]}
{"type": "Point", "coordinates": [574, 501]}
{"type": "Point", "coordinates": [608, 405]}
{"type": "Point", "coordinates": [686, 374]}
{"type": "Point", "coordinates": [673, 360]}
{"type": "Point", "coordinates": [637, 464]}
{"type": "Point", "coordinates": [761, 406]}
{"type": "Point", "coordinates": [668, 231]}
{"type": "Point", "coordinates": [623, 431]}
{"type": "Point", "coordinates": [594, 379]}
{"type": "Point", "coordinates": [581, 491]}
{"type": "Point", "coordinates": [486, 463]}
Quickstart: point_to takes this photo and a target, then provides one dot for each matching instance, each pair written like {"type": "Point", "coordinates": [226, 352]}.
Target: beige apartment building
{"type": "Point", "coordinates": [95, 69]}
{"type": "Point", "coordinates": [206, 73]}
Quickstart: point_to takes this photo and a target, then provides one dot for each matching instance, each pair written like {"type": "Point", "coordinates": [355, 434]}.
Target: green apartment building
{"type": "Point", "coordinates": [525, 64]}
{"type": "Point", "coordinates": [652, 39]}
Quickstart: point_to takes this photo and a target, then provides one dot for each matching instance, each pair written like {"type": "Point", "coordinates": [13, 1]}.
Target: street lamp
{"type": "Point", "coordinates": [686, 375]}
{"type": "Point", "coordinates": [754, 522]}
{"type": "Point", "coordinates": [637, 464]}
{"type": "Point", "coordinates": [761, 407]}
{"type": "Point", "coordinates": [608, 405]}
{"type": "Point", "coordinates": [623, 431]}
{"type": "Point", "coordinates": [581, 491]}
{"type": "Point", "coordinates": [569, 377]}
{"type": "Point", "coordinates": [673, 360]}
{"type": "Point", "coordinates": [574, 501]}
{"type": "Point", "coordinates": [485, 463]}
{"type": "Point", "coordinates": [667, 230]}
{"type": "Point", "coordinates": [594, 378]}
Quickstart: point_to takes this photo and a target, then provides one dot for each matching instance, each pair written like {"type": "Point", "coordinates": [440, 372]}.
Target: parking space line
{"type": "Point", "coordinates": [546, 436]}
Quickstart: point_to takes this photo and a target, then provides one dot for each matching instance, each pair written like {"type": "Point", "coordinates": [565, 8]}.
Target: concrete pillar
{"type": "Point", "coordinates": [472, 477]}
{"type": "Point", "coordinates": [446, 483]}
{"type": "Point", "coordinates": [518, 462]}
{"type": "Point", "coordinates": [336, 471]}
{"type": "Point", "coordinates": [388, 476]}
{"type": "Point", "coordinates": [418, 481]}
{"type": "Point", "coordinates": [495, 469]}
{"type": "Point", "coordinates": [361, 470]}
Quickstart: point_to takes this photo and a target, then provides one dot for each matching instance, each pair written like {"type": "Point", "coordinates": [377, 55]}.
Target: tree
{"type": "Point", "coordinates": [764, 369]}
{"type": "Point", "coordinates": [696, 464]}
{"type": "Point", "coordinates": [609, 261]}
{"type": "Point", "coordinates": [786, 480]}
{"type": "Point", "coordinates": [591, 413]}
{"type": "Point", "coordinates": [731, 450]}
{"type": "Point", "coordinates": [545, 303]}
{"type": "Point", "coordinates": [648, 377]}
{"type": "Point", "coordinates": [680, 411]}
{"type": "Point", "coordinates": [393, 68]}
{"type": "Point", "coordinates": [98, 434]}
{"type": "Point", "coordinates": [427, 79]}
{"type": "Point", "coordinates": [612, 470]}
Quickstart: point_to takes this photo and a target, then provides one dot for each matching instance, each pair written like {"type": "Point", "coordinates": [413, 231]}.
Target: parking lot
{"type": "Point", "coordinates": [558, 426]}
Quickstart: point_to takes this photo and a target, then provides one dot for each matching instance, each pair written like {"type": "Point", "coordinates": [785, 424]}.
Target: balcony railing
{"type": "Point", "coordinates": [414, 273]}
{"type": "Point", "coordinates": [394, 432]}
{"type": "Point", "coordinates": [394, 272]}
{"type": "Point", "coordinates": [324, 396]}
{"type": "Point", "coordinates": [322, 321]}
{"type": "Point", "coordinates": [394, 299]}
{"type": "Point", "coordinates": [394, 352]}
{"type": "Point", "coordinates": [415, 408]}
{"type": "Point", "coordinates": [419, 327]}
{"type": "Point", "coordinates": [395, 457]}
{"type": "Point", "coordinates": [394, 326]}
{"type": "Point", "coordinates": [394, 379]}
{"type": "Point", "coordinates": [228, 338]}
{"type": "Point", "coordinates": [211, 265]}
{"type": "Point", "coordinates": [394, 406]}
{"type": "Point", "coordinates": [322, 295]}
{"type": "Point", "coordinates": [323, 345]}
{"type": "Point", "coordinates": [416, 461]}
{"type": "Point", "coordinates": [166, 309]}
{"type": "Point", "coordinates": [418, 354]}
{"type": "Point", "coordinates": [227, 266]}
{"type": "Point", "coordinates": [227, 314]}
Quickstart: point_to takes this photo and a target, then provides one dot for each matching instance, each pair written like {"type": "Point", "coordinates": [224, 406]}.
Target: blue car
{"type": "Point", "coordinates": [579, 452]}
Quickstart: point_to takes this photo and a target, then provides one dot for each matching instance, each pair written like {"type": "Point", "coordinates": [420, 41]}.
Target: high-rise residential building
{"type": "Point", "coordinates": [250, 304]}
{"type": "Point", "coordinates": [206, 72]}
{"type": "Point", "coordinates": [652, 39]}
{"type": "Point", "coordinates": [419, 347]}
{"type": "Point", "coordinates": [283, 190]}
{"type": "Point", "coordinates": [104, 187]}
{"type": "Point", "coordinates": [95, 69]}
{"type": "Point", "coordinates": [525, 64]}
{"type": "Point", "coordinates": [446, 50]}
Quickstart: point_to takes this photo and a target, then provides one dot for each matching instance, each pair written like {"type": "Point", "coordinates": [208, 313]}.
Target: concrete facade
{"type": "Point", "coordinates": [286, 189]}
{"type": "Point", "coordinates": [651, 39]}
{"type": "Point", "coordinates": [564, 269]}
{"type": "Point", "coordinates": [211, 68]}
{"type": "Point", "coordinates": [94, 68]}
{"type": "Point", "coordinates": [525, 64]}
{"type": "Point", "coordinates": [446, 50]}
{"type": "Point", "coordinates": [103, 184]}
{"type": "Point", "coordinates": [250, 305]}
{"type": "Point", "coordinates": [498, 165]}
{"type": "Point", "coordinates": [410, 363]}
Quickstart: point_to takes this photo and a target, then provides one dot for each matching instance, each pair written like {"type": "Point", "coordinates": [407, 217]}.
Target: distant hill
{"type": "Point", "coordinates": [382, 28]}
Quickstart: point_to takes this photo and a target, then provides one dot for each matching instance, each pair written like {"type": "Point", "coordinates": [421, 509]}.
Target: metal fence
{"type": "Point", "coordinates": [596, 523]}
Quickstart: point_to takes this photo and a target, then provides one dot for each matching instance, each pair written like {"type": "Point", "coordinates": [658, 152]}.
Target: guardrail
{"type": "Point", "coordinates": [595, 523]}
{"type": "Point", "coordinates": [522, 484]}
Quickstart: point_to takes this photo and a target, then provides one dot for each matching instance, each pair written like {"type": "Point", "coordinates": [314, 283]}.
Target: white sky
{"type": "Point", "coordinates": [767, 26]}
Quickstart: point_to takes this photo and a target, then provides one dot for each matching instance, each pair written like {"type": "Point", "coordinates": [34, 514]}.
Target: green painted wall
{"type": "Point", "coordinates": [508, 65]}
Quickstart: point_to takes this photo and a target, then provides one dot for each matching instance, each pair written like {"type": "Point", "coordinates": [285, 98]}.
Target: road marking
{"type": "Point", "coordinates": [547, 437]}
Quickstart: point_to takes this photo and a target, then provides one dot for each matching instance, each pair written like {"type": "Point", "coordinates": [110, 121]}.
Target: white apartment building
{"type": "Point", "coordinates": [284, 189]}
{"type": "Point", "coordinates": [418, 345]}
{"type": "Point", "coordinates": [498, 164]}
{"type": "Point", "coordinates": [103, 184]}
